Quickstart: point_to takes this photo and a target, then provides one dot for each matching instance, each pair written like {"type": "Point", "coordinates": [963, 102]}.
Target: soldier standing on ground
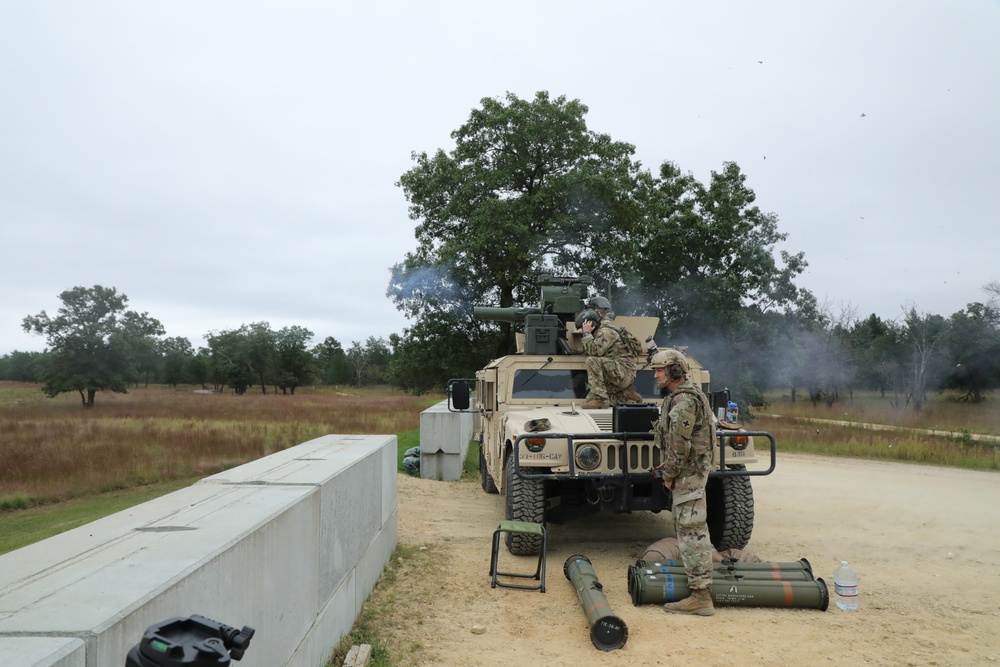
{"type": "Point", "coordinates": [610, 368]}
{"type": "Point", "coordinates": [685, 433]}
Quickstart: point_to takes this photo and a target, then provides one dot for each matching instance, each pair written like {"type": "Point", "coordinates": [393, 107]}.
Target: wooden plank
{"type": "Point", "coordinates": [358, 656]}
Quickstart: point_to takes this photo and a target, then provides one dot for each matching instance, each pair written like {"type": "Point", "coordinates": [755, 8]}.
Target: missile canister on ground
{"type": "Point", "coordinates": [729, 591]}
{"type": "Point", "coordinates": [738, 566]}
{"type": "Point", "coordinates": [607, 631]}
{"type": "Point", "coordinates": [775, 573]}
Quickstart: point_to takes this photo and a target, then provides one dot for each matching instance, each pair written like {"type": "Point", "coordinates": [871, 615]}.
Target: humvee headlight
{"type": "Point", "coordinates": [535, 444]}
{"type": "Point", "coordinates": [739, 442]}
{"type": "Point", "coordinates": [588, 456]}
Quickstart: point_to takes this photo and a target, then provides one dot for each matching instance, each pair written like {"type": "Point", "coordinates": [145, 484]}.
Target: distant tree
{"type": "Point", "coordinates": [23, 366]}
{"type": "Point", "coordinates": [369, 362]}
{"type": "Point", "coordinates": [993, 289]}
{"type": "Point", "coordinates": [331, 362]}
{"type": "Point", "coordinates": [198, 368]}
{"type": "Point", "coordinates": [359, 361]}
{"type": "Point", "coordinates": [878, 349]}
{"type": "Point", "coordinates": [295, 364]}
{"type": "Point", "coordinates": [972, 347]}
{"type": "Point", "coordinates": [95, 343]}
{"type": "Point", "coordinates": [923, 335]}
{"type": "Point", "coordinates": [174, 353]}
{"type": "Point", "coordinates": [245, 357]}
{"type": "Point", "coordinates": [436, 349]}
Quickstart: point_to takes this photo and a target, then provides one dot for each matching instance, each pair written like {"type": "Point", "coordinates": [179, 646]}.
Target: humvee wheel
{"type": "Point", "coordinates": [730, 510]}
{"type": "Point", "coordinates": [485, 478]}
{"type": "Point", "coordinates": [525, 502]}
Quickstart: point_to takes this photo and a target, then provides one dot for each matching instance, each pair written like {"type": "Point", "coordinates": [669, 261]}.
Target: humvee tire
{"type": "Point", "coordinates": [730, 510]}
{"type": "Point", "coordinates": [485, 478]}
{"type": "Point", "coordinates": [525, 502]}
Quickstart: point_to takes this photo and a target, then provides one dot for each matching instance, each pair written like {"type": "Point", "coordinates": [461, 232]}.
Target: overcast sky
{"type": "Point", "coordinates": [229, 162]}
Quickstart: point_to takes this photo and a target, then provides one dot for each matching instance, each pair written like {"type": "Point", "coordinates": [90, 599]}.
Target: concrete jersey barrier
{"type": "Point", "coordinates": [290, 544]}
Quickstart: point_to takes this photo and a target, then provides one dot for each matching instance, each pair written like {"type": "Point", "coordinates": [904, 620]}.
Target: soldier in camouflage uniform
{"type": "Point", "coordinates": [610, 368]}
{"type": "Point", "coordinates": [603, 306]}
{"type": "Point", "coordinates": [686, 434]}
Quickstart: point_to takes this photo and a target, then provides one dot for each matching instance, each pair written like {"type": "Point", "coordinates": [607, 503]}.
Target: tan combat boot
{"type": "Point", "coordinates": [596, 403]}
{"type": "Point", "coordinates": [699, 603]}
{"type": "Point", "coordinates": [633, 396]}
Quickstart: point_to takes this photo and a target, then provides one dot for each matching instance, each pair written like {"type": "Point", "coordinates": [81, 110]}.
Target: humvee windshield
{"type": "Point", "coordinates": [570, 384]}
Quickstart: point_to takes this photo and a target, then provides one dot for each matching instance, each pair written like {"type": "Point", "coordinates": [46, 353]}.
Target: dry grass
{"type": "Point", "coordinates": [53, 449]}
{"type": "Point", "coordinates": [803, 427]}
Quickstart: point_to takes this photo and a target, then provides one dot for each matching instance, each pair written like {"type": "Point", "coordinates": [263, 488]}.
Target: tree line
{"type": "Point", "coordinates": [95, 343]}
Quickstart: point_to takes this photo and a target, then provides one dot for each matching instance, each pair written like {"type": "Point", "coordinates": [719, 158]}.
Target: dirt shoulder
{"type": "Point", "coordinates": [925, 542]}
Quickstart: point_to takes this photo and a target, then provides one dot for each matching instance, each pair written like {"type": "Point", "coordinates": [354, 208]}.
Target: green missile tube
{"type": "Point", "coordinates": [731, 591]}
{"type": "Point", "coordinates": [607, 631]}
{"type": "Point", "coordinates": [740, 567]}
{"type": "Point", "coordinates": [763, 575]}
{"type": "Point", "coordinates": [503, 314]}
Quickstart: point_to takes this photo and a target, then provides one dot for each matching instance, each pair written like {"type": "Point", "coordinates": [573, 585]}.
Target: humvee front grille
{"type": "Point", "coordinates": [637, 457]}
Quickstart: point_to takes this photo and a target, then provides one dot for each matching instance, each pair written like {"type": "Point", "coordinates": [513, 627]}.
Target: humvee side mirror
{"type": "Point", "coordinates": [459, 394]}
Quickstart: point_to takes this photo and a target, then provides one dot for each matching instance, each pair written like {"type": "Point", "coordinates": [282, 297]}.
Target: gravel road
{"type": "Point", "coordinates": [925, 542]}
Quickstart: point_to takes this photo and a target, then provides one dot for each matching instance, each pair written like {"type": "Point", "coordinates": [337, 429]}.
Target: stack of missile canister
{"type": "Point", "coordinates": [734, 584]}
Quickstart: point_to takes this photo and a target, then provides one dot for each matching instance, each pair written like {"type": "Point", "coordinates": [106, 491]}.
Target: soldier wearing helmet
{"type": "Point", "coordinates": [685, 433]}
{"type": "Point", "coordinates": [610, 368]}
{"type": "Point", "coordinates": [602, 306]}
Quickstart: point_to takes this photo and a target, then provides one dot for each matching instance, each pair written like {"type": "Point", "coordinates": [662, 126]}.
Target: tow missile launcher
{"type": "Point", "coordinates": [545, 326]}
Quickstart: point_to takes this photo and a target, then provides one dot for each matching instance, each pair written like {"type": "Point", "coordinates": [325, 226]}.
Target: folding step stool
{"type": "Point", "coordinates": [518, 528]}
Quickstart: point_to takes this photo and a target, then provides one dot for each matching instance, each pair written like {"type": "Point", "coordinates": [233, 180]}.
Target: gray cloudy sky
{"type": "Point", "coordinates": [228, 162]}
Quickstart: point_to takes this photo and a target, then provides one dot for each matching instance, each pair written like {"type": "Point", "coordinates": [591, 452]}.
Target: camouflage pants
{"type": "Point", "coordinates": [608, 377]}
{"type": "Point", "coordinates": [694, 542]}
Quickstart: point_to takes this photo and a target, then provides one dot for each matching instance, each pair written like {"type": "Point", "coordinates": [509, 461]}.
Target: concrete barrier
{"type": "Point", "coordinates": [290, 544]}
{"type": "Point", "coordinates": [444, 442]}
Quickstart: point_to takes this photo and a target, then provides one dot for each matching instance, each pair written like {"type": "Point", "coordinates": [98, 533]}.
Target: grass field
{"type": "Point", "coordinates": [62, 465]}
{"type": "Point", "coordinates": [839, 430]}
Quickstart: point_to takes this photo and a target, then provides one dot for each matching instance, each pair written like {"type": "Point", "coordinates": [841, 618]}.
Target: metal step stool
{"type": "Point", "coordinates": [518, 528]}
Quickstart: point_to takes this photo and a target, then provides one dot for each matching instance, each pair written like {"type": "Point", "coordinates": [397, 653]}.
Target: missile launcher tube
{"type": "Point", "coordinates": [737, 566]}
{"type": "Point", "coordinates": [761, 575]}
{"type": "Point", "coordinates": [607, 631]}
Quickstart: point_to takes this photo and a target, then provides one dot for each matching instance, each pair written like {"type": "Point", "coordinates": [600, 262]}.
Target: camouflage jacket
{"type": "Point", "coordinates": [686, 433]}
{"type": "Point", "coordinates": [607, 342]}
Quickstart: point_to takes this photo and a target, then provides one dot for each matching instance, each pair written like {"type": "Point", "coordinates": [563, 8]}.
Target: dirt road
{"type": "Point", "coordinates": [925, 542]}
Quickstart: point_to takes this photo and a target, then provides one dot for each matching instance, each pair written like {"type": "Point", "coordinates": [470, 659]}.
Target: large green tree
{"type": "Point", "coordinates": [528, 187]}
{"type": "Point", "coordinates": [705, 253]}
{"type": "Point", "coordinates": [96, 344]}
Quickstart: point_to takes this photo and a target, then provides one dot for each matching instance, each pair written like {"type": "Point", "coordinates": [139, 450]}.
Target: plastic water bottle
{"type": "Point", "coordinates": [845, 587]}
{"type": "Point", "coordinates": [732, 412]}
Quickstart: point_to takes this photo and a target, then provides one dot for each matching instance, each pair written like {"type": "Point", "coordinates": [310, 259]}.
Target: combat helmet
{"type": "Point", "coordinates": [587, 315]}
{"type": "Point", "coordinates": [668, 358]}
{"type": "Point", "coordinates": [599, 302]}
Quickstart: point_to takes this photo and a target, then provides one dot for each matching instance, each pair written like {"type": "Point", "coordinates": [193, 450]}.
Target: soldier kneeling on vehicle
{"type": "Point", "coordinates": [611, 365]}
